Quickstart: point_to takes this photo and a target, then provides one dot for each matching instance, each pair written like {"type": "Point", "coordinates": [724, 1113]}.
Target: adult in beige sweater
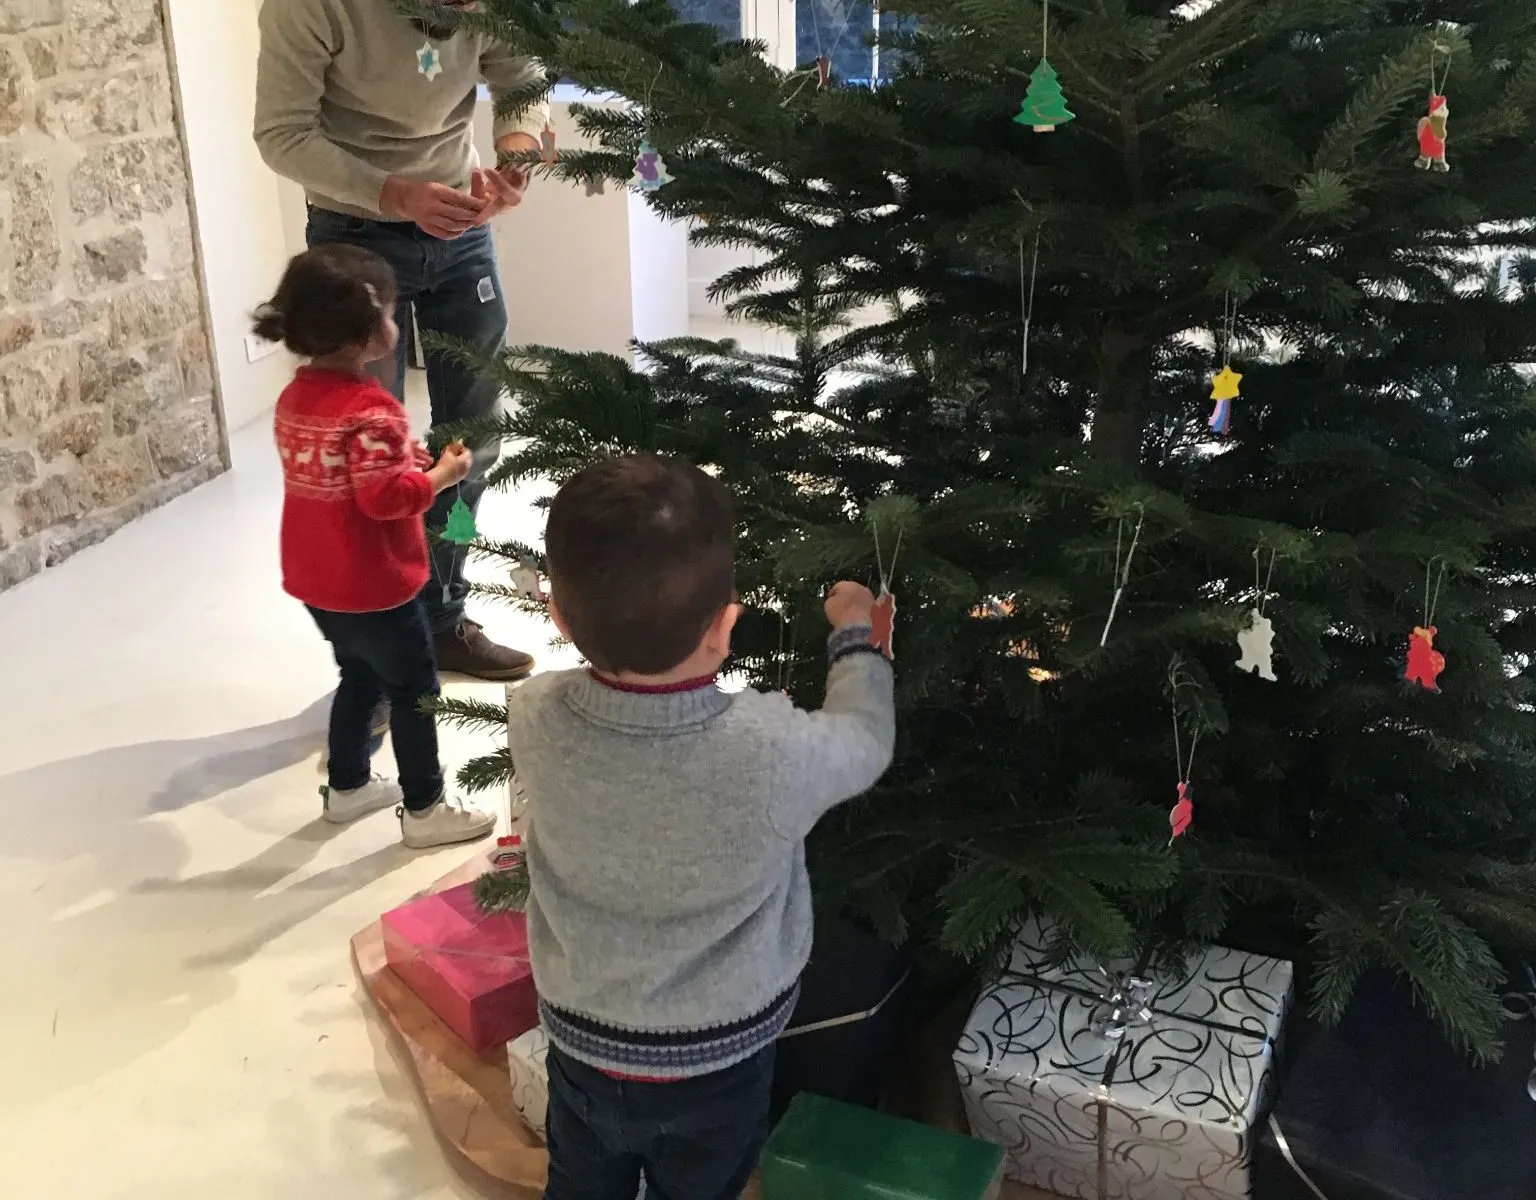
{"type": "Point", "coordinates": [372, 111]}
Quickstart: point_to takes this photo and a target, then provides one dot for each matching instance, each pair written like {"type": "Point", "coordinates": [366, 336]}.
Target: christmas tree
{"type": "Point", "coordinates": [1018, 441]}
{"type": "Point", "coordinates": [1044, 107]}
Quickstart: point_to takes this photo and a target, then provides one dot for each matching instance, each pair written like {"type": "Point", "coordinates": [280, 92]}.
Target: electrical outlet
{"type": "Point", "coordinates": [257, 348]}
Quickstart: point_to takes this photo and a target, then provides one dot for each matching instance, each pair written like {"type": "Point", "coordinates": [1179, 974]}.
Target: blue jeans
{"type": "Point", "coordinates": [454, 288]}
{"type": "Point", "coordinates": [695, 1139]}
{"type": "Point", "coordinates": [384, 654]}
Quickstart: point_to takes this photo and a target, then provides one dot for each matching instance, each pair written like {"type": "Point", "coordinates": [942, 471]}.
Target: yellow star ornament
{"type": "Point", "coordinates": [1223, 391]}
{"type": "Point", "coordinates": [1224, 384]}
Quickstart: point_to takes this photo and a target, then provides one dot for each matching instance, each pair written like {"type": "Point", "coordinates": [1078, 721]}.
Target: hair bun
{"type": "Point", "coordinates": [269, 325]}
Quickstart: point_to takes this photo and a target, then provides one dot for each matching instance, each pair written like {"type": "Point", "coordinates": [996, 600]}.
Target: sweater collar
{"type": "Point", "coordinates": [677, 708]}
{"type": "Point", "coordinates": [654, 689]}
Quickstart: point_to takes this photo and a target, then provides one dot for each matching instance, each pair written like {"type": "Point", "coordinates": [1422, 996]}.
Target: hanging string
{"type": "Point", "coordinates": [650, 91]}
{"type": "Point", "coordinates": [1122, 569]}
{"type": "Point", "coordinates": [1228, 328]}
{"type": "Point", "coordinates": [1045, 27]}
{"type": "Point", "coordinates": [1437, 84]}
{"type": "Point", "coordinates": [1261, 590]}
{"type": "Point", "coordinates": [1432, 602]}
{"type": "Point", "coordinates": [782, 623]}
{"type": "Point", "coordinates": [1184, 768]}
{"type": "Point", "coordinates": [1027, 299]}
{"type": "Point", "coordinates": [1176, 680]}
{"type": "Point", "coordinates": [886, 577]}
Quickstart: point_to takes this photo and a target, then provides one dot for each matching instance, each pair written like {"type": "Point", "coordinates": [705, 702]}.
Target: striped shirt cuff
{"type": "Point", "coordinates": [851, 639]}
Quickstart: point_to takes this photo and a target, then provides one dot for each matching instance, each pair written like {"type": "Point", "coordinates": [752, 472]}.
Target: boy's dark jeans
{"type": "Point", "coordinates": [454, 288]}
{"type": "Point", "coordinates": [384, 654]}
{"type": "Point", "coordinates": [696, 1139]}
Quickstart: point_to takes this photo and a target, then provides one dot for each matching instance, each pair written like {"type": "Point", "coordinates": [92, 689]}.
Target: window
{"type": "Point", "coordinates": [724, 15]}
{"type": "Point", "coordinates": [844, 31]}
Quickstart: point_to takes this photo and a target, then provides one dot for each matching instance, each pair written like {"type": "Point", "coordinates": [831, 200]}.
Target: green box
{"type": "Point", "coordinates": [824, 1150]}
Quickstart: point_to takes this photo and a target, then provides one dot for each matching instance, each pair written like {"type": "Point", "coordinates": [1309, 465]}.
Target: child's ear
{"type": "Point", "coordinates": [558, 617]}
{"type": "Point", "coordinates": [718, 636]}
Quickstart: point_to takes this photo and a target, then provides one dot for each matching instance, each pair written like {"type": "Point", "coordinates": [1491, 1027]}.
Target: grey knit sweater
{"type": "Point", "coordinates": [670, 914]}
{"type": "Point", "coordinates": [350, 92]}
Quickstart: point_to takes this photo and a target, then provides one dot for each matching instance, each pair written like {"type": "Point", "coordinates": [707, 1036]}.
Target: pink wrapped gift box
{"type": "Point", "coordinates": [469, 968]}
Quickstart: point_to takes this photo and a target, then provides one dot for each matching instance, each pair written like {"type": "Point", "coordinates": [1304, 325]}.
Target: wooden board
{"type": "Point", "coordinates": [468, 1100]}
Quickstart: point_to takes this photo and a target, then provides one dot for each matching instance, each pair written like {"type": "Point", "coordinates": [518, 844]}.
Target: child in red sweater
{"type": "Point", "coordinates": [354, 549]}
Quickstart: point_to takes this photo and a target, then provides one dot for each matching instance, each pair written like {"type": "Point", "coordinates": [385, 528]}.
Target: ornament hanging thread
{"type": "Point", "coordinates": [1122, 569]}
{"type": "Point", "coordinates": [1027, 298]}
{"type": "Point", "coordinates": [1044, 106]}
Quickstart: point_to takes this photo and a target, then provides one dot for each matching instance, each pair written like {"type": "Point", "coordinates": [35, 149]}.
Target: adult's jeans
{"type": "Point", "coordinates": [384, 655]}
{"type": "Point", "coordinates": [693, 1139]}
{"type": "Point", "coordinates": [454, 289]}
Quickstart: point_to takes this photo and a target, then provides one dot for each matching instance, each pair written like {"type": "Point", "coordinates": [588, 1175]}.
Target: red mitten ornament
{"type": "Point", "coordinates": [883, 619]}
{"type": "Point", "coordinates": [1424, 662]}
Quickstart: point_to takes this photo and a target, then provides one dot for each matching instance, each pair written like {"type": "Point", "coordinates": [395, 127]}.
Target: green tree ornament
{"type": "Point", "coordinates": [460, 528]}
{"type": "Point", "coordinates": [1044, 106]}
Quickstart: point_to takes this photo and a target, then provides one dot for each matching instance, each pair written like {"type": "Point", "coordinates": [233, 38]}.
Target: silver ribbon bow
{"type": "Point", "coordinates": [1125, 1004]}
{"type": "Point", "coordinates": [1521, 1006]}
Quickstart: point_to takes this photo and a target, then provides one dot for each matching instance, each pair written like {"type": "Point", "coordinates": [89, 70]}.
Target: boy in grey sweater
{"type": "Point", "coordinates": [669, 918]}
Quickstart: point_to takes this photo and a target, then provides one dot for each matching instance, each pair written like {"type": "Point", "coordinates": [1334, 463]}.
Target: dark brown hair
{"type": "Point", "coordinates": [642, 558]}
{"type": "Point", "coordinates": [330, 298]}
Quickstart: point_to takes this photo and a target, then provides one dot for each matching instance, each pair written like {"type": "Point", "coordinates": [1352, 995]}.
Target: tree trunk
{"type": "Point", "coordinates": [1120, 415]}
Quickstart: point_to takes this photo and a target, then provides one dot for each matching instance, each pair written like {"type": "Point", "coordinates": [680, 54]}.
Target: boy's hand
{"type": "Point", "coordinates": [849, 604]}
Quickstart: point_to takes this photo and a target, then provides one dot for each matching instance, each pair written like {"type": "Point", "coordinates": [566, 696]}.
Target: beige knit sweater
{"type": "Point", "coordinates": [350, 92]}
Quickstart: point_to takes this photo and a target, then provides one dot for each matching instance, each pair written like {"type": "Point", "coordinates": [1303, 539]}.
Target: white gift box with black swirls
{"type": "Point", "coordinates": [1167, 1111]}
{"type": "Point", "coordinates": [528, 1061]}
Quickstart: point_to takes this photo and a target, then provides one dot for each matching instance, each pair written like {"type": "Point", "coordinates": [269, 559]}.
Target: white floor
{"type": "Point", "coordinates": [178, 1016]}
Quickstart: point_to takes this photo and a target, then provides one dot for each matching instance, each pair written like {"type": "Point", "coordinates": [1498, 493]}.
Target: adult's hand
{"type": "Point", "coordinates": [441, 211]}
{"type": "Point", "coordinates": [500, 189]}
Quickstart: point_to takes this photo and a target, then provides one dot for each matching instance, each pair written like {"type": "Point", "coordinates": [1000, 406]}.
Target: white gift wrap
{"type": "Point", "coordinates": [1167, 1112]}
{"type": "Point", "coordinates": [527, 1057]}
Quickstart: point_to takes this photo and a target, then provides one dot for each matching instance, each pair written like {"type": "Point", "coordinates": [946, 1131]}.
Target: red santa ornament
{"type": "Point", "coordinates": [1432, 135]}
{"type": "Point", "coordinates": [1424, 662]}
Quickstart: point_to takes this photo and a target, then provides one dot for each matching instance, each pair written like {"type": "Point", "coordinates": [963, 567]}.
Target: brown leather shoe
{"type": "Point", "coordinates": [465, 650]}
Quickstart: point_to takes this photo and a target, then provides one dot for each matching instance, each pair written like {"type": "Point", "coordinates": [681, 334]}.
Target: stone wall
{"type": "Point", "coordinates": [107, 403]}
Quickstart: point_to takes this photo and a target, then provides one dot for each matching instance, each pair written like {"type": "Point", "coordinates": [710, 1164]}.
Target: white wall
{"type": "Point", "coordinates": [587, 272]}
{"type": "Point", "coordinates": [246, 220]}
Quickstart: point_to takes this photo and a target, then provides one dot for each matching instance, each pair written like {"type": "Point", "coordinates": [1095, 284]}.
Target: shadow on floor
{"type": "Point", "coordinates": [117, 951]}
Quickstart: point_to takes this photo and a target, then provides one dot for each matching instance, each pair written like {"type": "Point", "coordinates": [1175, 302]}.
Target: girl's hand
{"type": "Point", "coordinates": [452, 467]}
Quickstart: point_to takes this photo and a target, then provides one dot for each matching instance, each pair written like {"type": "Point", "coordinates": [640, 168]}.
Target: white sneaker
{"type": "Point", "coordinates": [444, 824]}
{"type": "Point", "coordinates": [342, 807]}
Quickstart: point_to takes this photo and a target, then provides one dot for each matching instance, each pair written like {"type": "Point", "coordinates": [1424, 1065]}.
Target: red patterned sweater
{"type": "Point", "coordinates": [353, 497]}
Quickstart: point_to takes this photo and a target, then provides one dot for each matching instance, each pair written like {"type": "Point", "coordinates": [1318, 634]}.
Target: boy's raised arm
{"type": "Point", "coordinates": [841, 750]}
